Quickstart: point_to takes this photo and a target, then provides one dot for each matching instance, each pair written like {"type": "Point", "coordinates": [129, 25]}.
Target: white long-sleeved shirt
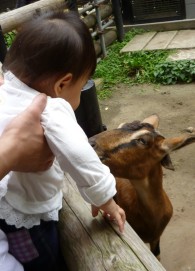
{"type": "Point", "coordinates": [28, 197]}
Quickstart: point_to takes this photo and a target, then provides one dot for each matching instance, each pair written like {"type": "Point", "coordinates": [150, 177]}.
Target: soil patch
{"type": "Point", "coordinates": [175, 106]}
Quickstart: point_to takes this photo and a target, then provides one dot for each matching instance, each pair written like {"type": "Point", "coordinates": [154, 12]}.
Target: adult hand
{"type": "Point", "coordinates": [23, 143]}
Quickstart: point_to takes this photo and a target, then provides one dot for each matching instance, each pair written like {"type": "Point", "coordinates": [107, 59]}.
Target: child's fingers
{"type": "Point", "coordinates": [94, 210]}
{"type": "Point", "coordinates": [121, 217]}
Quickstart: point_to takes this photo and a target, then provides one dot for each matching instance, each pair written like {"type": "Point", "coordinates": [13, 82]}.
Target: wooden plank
{"type": "Point", "coordinates": [95, 244]}
{"type": "Point", "coordinates": [14, 18]}
{"type": "Point", "coordinates": [183, 39]}
{"type": "Point", "coordinates": [138, 42]}
{"type": "Point", "coordinates": [89, 244]}
{"type": "Point", "coordinates": [182, 54]}
{"type": "Point", "coordinates": [160, 41]}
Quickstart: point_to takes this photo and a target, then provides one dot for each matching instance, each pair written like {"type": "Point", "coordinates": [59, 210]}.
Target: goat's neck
{"type": "Point", "coordinates": [149, 189]}
{"type": "Point", "coordinates": [152, 183]}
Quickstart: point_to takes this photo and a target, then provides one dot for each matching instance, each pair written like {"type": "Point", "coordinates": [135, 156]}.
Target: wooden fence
{"type": "Point", "coordinates": [94, 244]}
{"type": "Point", "coordinates": [98, 17]}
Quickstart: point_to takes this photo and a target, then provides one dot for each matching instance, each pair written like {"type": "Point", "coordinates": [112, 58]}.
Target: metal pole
{"type": "Point", "coordinates": [104, 26]}
{"type": "Point", "coordinates": [118, 19]}
{"type": "Point", "coordinates": [100, 28]}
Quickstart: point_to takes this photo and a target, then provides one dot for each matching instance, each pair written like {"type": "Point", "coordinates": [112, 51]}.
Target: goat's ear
{"type": "Point", "coordinates": [167, 163]}
{"type": "Point", "coordinates": [153, 120]}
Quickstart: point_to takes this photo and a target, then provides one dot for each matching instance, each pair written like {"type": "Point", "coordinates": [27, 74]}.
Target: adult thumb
{"type": "Point", "coordinates": [38, 105]}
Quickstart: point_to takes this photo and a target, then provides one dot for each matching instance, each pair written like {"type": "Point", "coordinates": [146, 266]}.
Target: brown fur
{"type": "Point", "coordinates": [135, 154]}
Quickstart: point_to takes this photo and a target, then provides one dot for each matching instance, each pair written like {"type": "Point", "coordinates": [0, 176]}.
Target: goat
{"type": "Point", "coordinates": [135, 153]}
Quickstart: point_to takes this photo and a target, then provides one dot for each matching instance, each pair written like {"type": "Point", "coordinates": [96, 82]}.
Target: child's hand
{"type": "Point", "coordinates": [113, 211]}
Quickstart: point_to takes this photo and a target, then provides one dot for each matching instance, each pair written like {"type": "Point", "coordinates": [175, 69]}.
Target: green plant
{"type": "Point", "coordinates": [170, 72]}
{"type": "Point", "coordinates": [129, 68]}
{"type": "Point", "coordinates": [111, 67]}
{"type": "Point", "coordinates": [9, 37]}
{"type": "Point", "coordinates": [140, 65]}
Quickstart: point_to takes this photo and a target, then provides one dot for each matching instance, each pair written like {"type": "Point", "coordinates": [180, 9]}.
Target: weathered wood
{"type": "Point", "coordinates": [109, 37]}
{"type": "Point", "coordinates": [91, 20]}
{"type": "Point", "coordinates": [13, 19]}
{"type": "Point", "coordinates": [95, 243]}
{"type": "Point", "coordinates": [183, 39]}
{"type": "Point", "coordinates": [161, 40]}
{"type": "Point", "coordinates": [138, 42]}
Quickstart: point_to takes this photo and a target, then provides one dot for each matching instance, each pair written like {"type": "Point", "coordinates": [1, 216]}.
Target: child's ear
{"type": "Point", "coordinates": [62, 83]}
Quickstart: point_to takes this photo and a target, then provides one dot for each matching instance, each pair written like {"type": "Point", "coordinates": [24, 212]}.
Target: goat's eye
{"type": "Point", "coordinates": [141, 141]}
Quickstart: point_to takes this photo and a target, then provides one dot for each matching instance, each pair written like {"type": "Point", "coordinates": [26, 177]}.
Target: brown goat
{"type": "Point", "coordinates": [135, 154]}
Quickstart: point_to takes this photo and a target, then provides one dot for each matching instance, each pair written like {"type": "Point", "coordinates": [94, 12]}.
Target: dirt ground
{"type": "Point", "coordinates": [175, 106]}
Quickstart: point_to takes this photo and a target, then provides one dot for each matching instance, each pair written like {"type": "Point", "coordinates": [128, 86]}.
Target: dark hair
{"type": "Point", "coordinates": [52, 44]}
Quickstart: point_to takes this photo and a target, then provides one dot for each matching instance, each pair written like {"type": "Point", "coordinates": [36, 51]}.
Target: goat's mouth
{"type": "Point", "coordinates": [167, 163]}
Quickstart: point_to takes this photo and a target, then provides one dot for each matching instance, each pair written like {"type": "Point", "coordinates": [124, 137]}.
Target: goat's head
{"type": "Point", "coordinates": [134, 148]}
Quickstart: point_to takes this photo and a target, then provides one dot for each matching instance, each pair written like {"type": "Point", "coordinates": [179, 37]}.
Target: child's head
{"type": "Point", "coordinates": [51, 52]}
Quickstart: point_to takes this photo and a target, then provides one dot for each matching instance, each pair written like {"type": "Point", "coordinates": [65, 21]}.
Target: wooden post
{"type": "Point", "coordinates": [13, 19]}
{"type": "Point", "coordinates": [109, 37]}
{"type": "Point", "coordinates": [95, 244]}
{"type": "Point", "coordinates": [91, 20]}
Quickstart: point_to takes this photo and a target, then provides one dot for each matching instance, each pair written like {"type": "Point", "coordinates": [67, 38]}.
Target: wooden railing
{"type": "Point", "coordinates": [15, 18]}
{"type": "Point", "coordinates": [94, 244]}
